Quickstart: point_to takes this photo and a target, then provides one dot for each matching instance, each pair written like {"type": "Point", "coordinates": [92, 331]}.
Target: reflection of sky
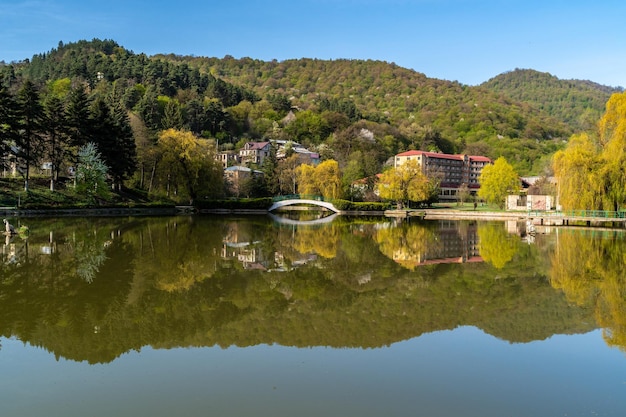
{"type": "Point", "coordinates": [464, 372]}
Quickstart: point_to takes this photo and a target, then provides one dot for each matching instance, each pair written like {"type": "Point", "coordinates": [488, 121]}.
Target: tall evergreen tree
{"type": "Point", "coordinates": [126, 160]}
{"type": "Point", "coordinates": [113, 136]}
{"type": "Point", "coordinates": [270, 174]}
{"type": "Point", "coordinates": [56, 136]}
{"type": "Point", "coordinates": [148, 109]}
{"type": "Point", "coordinates": [79, 117]}
{"type": "Point", "coordinates": [173, 116]}
{"type": "Point", "coordinates": [29, 138]}
{"type": "Point", "coordinates": [8, 119]}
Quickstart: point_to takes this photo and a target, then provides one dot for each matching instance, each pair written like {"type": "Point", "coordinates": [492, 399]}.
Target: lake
{"type": "Point", "coordinates": [345, 316]}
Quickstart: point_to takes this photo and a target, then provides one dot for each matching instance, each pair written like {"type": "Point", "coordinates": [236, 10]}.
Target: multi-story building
{"type": "Point", "coordinates": [453, 170]}
{"type": "Point", "coordinates": [255, 152]}
{"type": "Point", "coordinates": [228, 159]}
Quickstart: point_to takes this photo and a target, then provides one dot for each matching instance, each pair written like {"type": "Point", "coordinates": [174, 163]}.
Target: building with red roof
{"type": "Point", "coordinates": [453, 170]}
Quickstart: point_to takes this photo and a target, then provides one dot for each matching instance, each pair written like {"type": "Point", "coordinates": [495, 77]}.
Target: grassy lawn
{"type": "Point", "coordinates": [12, 194]}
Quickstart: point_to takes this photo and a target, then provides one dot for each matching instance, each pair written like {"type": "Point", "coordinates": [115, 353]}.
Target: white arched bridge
{"type": "Point", "coordinates": [293, 200]}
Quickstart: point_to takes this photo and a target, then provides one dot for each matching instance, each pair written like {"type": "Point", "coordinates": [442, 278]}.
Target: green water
{"type": "Point", "coordinates": [254, 315]}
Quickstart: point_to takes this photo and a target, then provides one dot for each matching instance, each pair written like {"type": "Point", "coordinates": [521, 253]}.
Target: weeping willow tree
{"type": "Point", "coordinates": [578, 172]}
{"type": "Point", "coordinates": [407, 183]}
{"type": "Point", "coordinates": [612, 133]}
{"type": "Point", "coordinates": [591, 171]}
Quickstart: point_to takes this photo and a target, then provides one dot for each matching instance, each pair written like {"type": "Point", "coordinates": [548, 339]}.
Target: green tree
{"type": "Point", "coordinates": [270, 173]}
{"type": "Point", "coordinates": [60, 88]}
{"type": "Point", "coordinates": [91, 172]}
{"type": "Point", "coordinates": [8, 119]}
{"type": "Point", "coordinates": [78, 115]}
{"type": "Point", "coordinates": [29, 138]}
{"type": "Point", "coordinates": [287, 174]}
{"type": "Point", "coordinates": [172, 116]}
{"type": "Point", "coordinates": [308, 128]}
{"type": "Point", "coordinates": [113, 136]}
{"type": "Point", "coordinates": [497, 181]}
{"type": "Point", "coordinates": [125, 162]}
{"type": "Point", "coordinates": [55, 136]}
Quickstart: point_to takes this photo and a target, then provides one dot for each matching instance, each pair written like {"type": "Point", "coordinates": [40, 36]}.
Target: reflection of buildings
{"type": "Point", "coordinates": [455, 242]}
{"type": "Point", "coordinates": [238, 245]}
{"type": "Point", "coordinates": [247, 254]}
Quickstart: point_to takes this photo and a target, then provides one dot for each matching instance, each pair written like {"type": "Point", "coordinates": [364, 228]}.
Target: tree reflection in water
{"type": "Point", "coordinates": [92, 289]}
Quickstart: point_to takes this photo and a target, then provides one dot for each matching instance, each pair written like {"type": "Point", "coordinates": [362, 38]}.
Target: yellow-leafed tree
{"type": "Point", "coordinates": [577, 169]}
{"type": "Point", "coordinates": [497, 181]}
{"type": "Point", "coordinates": [612, 133]}
{"type": "Point", "coordinates": [187, 165]}
{"type": "Point", "coordinates": [591, 171]}
{"type": "Point", "coordinates": [406, 183]}
{"type": "Point", "coordinates": [324, 179]}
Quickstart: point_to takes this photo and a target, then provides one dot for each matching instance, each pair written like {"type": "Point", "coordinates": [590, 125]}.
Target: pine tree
{"type": "Point", "coordinates": [79, 117]}
{"type": "Point", "coordinates": [56, 136]}
{"type": "Point", "coordinates": [29, 138]}
{"type": "Point", "coordinates": [126, 160]}
{"type": "Point", "coordinates": [8, 120]}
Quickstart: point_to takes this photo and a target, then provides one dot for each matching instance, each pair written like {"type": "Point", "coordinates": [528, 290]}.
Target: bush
{"type": "Point", "coordinates": [240, 204]}
{"type": "Point", "coordinates": [346, 205]}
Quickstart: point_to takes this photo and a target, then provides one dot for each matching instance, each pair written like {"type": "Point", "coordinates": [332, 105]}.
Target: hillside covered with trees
{"type": "Point", "coordinates": [358, 113]}
{"type": "Point", "coordinates": [579, 103]}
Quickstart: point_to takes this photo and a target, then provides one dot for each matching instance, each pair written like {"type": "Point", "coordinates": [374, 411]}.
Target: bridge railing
{"type": "Point", "coordinates": [298, 197]}
{"type": "Point", "coordinates": [596, 214]}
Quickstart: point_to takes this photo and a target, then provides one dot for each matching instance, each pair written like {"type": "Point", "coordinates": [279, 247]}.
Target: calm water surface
{"type": "Point", "coordinates": [234, 316]}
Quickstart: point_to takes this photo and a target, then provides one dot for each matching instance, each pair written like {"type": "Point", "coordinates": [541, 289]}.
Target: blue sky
{"type": "Point", "coordinates": [469, 41]}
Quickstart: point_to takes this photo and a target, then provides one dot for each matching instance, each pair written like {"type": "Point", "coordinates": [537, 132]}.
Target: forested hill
{"type": "Point", "coordinates": [427, 113]}
{"type": "Point", "coordinates": [579, 103]}
{"type": "Point", "coordinates": [356, 111]}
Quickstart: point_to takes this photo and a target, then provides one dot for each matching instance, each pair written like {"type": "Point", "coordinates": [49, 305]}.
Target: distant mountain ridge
{"type": "Point", "coordinates": [522, 115]}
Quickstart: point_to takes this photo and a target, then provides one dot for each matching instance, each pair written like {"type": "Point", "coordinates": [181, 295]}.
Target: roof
{"type": "Point", "coordinates": [241, 168]}
{"type": "Point", "coordinates": [256, 145]}
{"type": "Point", "coordinates": [533, 180]}
{"type": "Point", "coordinates": [477, 158]}
{"type": "Point", "coordinates": [375, 177]}
{"type": "Point", "coordinates": [238, 168]}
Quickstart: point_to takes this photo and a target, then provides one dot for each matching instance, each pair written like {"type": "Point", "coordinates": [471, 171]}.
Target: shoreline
{"type": "Point", "coordinates": [535, 218]}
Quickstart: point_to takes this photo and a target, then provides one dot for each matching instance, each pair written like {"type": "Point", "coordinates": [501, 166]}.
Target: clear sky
{"type": "Point", "coordinates": [469, 41]}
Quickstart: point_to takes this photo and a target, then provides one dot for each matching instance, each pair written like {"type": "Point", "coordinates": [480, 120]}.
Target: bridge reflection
{"type": "Point", "coordinates": [293, 222]}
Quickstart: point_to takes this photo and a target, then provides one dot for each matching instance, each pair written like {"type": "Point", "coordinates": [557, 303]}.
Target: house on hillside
{"type": "Point", "coordinates": [285, 147]}
{"type": "Point", "coordinates": [453, 170]}
{"type": "Point", "coordinates": [228, 159]}
{"type": "Point", "coordinates": [238, 179]}
{"type": "Point", "coordinates": [365, 186]}
{"type": "Point", "coordinates": [255, 152]}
